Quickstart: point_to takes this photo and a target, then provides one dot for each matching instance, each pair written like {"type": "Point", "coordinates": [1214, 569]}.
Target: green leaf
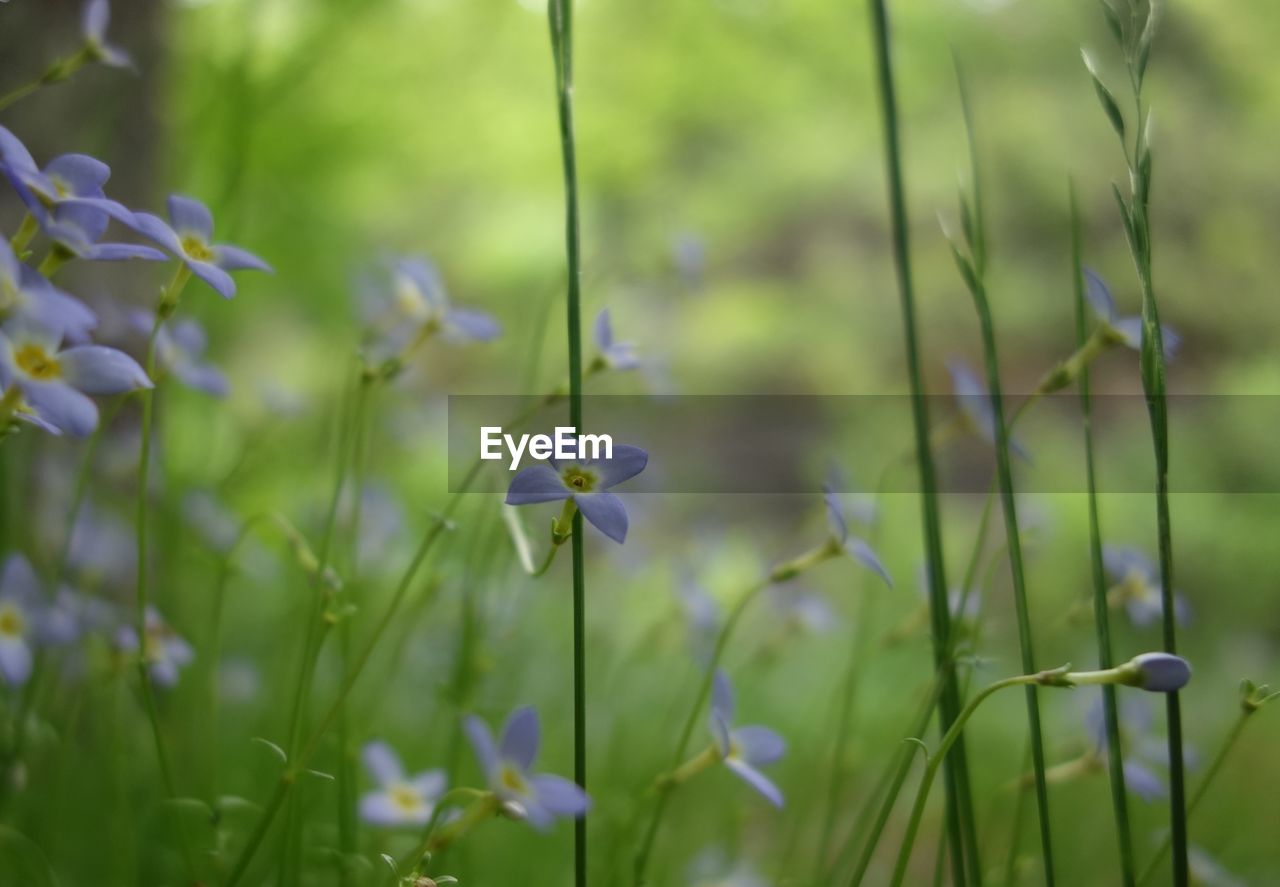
{"type": "Point", "coordinates": [1109, 104]}
{"type": "Point", "coordinates": [1114, 24]}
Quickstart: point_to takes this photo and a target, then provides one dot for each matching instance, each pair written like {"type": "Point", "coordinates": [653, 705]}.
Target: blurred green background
{"type": "Point", "coordinates": [734, 223]}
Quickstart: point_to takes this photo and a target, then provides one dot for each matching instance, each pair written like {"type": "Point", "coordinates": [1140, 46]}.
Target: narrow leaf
{"type": "Point", "coordinates": [1109, 104]}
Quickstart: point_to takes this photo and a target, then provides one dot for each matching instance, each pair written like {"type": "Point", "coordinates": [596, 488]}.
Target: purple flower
{"type": "Point", "coordinates": [190, 240]}
{"type": "Point", "coordinates": [1161, 672]}
{"type": "Point", "coordinates": [94, 21]}
{"type": "Point", "coordinates": [24, 293]}
{"type": "Point", "coordinates": [165, 652]}
{"type": "Point", "coordinates": [540, 797]}
{"type": "Point", "coordinates": [1143, 751]}
{"type": "Point", "coordinates": [1128, 328]}
{"type": "Point", "coordinates": [703, 616]}
{"type": "Point", "coordinates": [417, 307]}
{"type": "Point", "coordinates": [1137, 585]}
{"type": "Point", "coordinates": [853, 546]}
{"type": "Point", "coordinates": [71, 616]}
{"type": "Point", "coordinates": [806, 610]}
{"type": "Point", "coordinates": [180, 348]}
{"type": "Point", "coordinates": [56, 382]}
{"type": "Point", "coordinates": [586, 482]}
{"type": "Point", "coordinates": [744, 749]}
{"type": "Point", "coordinates": [975, 405]}
{"type": "Point", "coordinates": [19, 618]}
{"type": "Point", "coordinates": [614, 355]}
{"type": "Point", "coordinates": [399, 799]}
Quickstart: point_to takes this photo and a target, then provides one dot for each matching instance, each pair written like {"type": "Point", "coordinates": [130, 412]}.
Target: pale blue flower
{"type": "Point", "coordinates": [399, 799]}
{"type": "Point", "coordinates": [20, 615]}
{"type": "Point", "coordinates": [974, 401]}
{"type": "Point", "coordinates": [1143, 751]}
{"type": "Point", "coordinates": [587, 483]}
{"type": "Point", "coordinates": [1128, 328]}
{"type": "Point", "coordinates": [25, 294]}
{"type": "Point", "coordinates": [804, 609]}
{"type": "Point", "coordinates": [166, 653]}
{"type": "Point", "coordinates": [702, 615]}
{"type": "Point", "coordinates": [744, 749]}
{"type": "Point", "coordinates": [614, 355]}
{"type": "Point", "coordinates": [93, 26]}
{"type": "Point", "coordinates": [180, 349]}
{"type": "Point", "coordinates": [1137, 582]}
{"type": "Point", "coordinates": [538, 798]}
{"type": "Point", "coordinates": [853, 546]}
{"type": "Point", "coordinates": [416, 306]}
{"type": "Point", "coordinates": [188, 237]}
{"type": "Point", "coordinates": [714, 868]}
{"type": "Point", "coordinates": [56, 382]}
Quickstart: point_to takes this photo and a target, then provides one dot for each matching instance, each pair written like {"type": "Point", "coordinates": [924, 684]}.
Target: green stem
{"type": "Point", "coordinates": [960, 817]}
{"type": "Point", "coordinates": [560, 14]}
{"type": "Point", "coordinates": [168, 301]}
{"type": "Point", "coordinates": [976, 280]}
{"type": "Point", "coordinates": [1101, 609]}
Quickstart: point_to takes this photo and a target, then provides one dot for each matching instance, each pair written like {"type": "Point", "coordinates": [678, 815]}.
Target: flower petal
{"type": "Point", "coordinates": [122, 252]}
{"type": "Point", "coordinates": [626, 463]}
{"type": "Point", "coordinates": [537, 483]}
{"type": "Point", "coordinates": [476, 326]}
{"type": "Point", "coordinates": [430, 784]}
{"type": "Point", "coordinates": [1098, 294]}
{"type": "Point", "coordinates": [835, 513]}
{"type": "Point", "coordinates": [62, 406]}
{"type": "Point", "coordinates": [863, 554]}
{"type": "Point", "coordinates": [233, 258]}
{"type": "Point", "coordinates": [211, 274]}
{"type": "Point", "coordinates": [94, 20]}
{"type": "Point", "coordinates": [382, 762]}
{"type": "Point", "coordinates": [190, 216]}
{"type": "Point", "coordinates": [96, 369]}
{"type": "Point", "coordinates": [605, 512]}
{"type": "Point", "coordinates": [604, 330]}
{"type": "Point", "coordinates": [82, 175]}
{"type": "Point", "coordinates": [759, 745]}
{"type": "Point", "coordinates": [482, 744]}
{"type": "Point", "coordinates": [1142, 782]}
{"type": "Point", "coordinates": [18, 580]}
{"type": "Point", "coordinates": [559, 796]}
{"type": "Point", "coordinates": [757, 780]}
{"type": "Point", "coordinates": [158, 230]}
{"type": "Point", "coordinates": [203, 377]}
{"type": "Point", "coordinates": [520, 737]}
{"type": "Point", "coordinates": [15, 660]}
{"type": "Point", "coordinates": [722, 697]}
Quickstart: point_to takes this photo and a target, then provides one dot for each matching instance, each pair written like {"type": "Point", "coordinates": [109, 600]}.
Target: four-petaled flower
{"type": "Point", "coordinates": [839, 526]}
{"type": "Point", "coordinates": [25, 294]}
{"type": "Point", "coordinates": [587, 483]}
{"type": "Point", "coordinates": [19, 618]}
{"type": "Point", "coordinates": [93, 26]}
{"type": "Point", "coordinates": [190, 240]}
{"type": "Point", "coordinates": [1137, 586]}
{"type": "Point", "coordinates": [613, 355]}
{"type": "Point", "coordinates": [744, 749]}
{"type": "Point", "coordinates": [975, 405]}
{"type": "Point", "coordinates": [163, 649]}
{"type": "Point", "coordinates": [54, 382]}
{"type": "Point", "coordinates": [538, 798]}
{"type": "Point", "coordinates": [417, 307]}
{"type": "Point", "coordinates": [1128, 329]}
{"type": "Point", "coordinates": [180, 347]}
{"type": "Point", "coordinates": [400, 799]}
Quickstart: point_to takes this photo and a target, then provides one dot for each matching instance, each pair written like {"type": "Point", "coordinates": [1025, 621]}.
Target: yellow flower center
{"type": "Point", "coordinates": [12, 625]}
{"type": "Point", "coordinates": [406, 798]}
{"type": "Point", "coordinates": [409, 300]}
{"type": "Point", "coordinates": [37, 363]}
{"type": "Point", "coordinates": [513, 779]}
{"type": "Point", "coordinates": [579, 479]}
{"type": "Point", "coordinates": [60, 187]}
{"type": "Point", "coordinates": [196, 248]}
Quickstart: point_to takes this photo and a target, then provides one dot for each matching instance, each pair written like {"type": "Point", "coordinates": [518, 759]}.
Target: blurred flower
{"type": "Point", "coordinates": [538, 798]}
{"type": "Point", "coordinates": [1137, 586]}
{"type": "Point", "coordinates": [803, 609]}
{"type": "Point", "coordinates": [188, 236]}
{"type": "Point", "coordinates": [101, 547]}
{"type": "Point", "coordinates": [73, 615]}
{"type": "Point", "coordinates": [689, 255]}
{"type": "Point", "coordinates": [853, 546]}
{"type": "Point", "coordinates": [1143, 750]}
{"type": "Point", "coordinates": [714, 868]}
{"type": "Point", "coordinates": [55, 382]}
{"type": "Point", "coordinates": [744, 749]}
{"type": "Point", "coordinates": [94, 21]}
{"type": "Point", "coordinates": [399, 799]}
{"type": "Point", "coordinates": [1129, 329]}
{"type": "Point", "coordinates": [975, 405]}
{"type": "Point", "coordinates": [79, 229]}
{"type": "Point", "coordinates": [702, 614]}
{"type": "Point", "coordinates": [586, 483]}
{"type": "Point", "coordinates": [19, 618]}
{"type": "Point", "coordinates": [613, 355]}
{"type": "Point", "coordinates": [1208, 872]}
{"type": "Point", "coordinates": [25, 294]}
{"type": "Point", "coordinates": [180, 347]}
{"type": "Point", "coordinates": [417, 307]}
{"type": "Point", "coordinates": [163, 649]}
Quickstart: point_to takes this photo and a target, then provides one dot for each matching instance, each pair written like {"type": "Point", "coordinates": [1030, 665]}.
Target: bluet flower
{"type": "Point", "coordinates": [586, 483]}
{"type": "Point", "coordinates": [188, 237]}
{"type": "Point", "coordinates": [20, 606]}
{"type": "Point", "coordinates": [180, 348]}
{"type": "Point", "coordinates": [56, 382]}
{"type": "Point", "coordinates": [538, 798]}
{"type": "Point", "coordinates": [613, 354]}
{"type": "Point", "coordinates": [744, 749]}
{"type": "Point", "coordinates": [852, 545]}
{"type": "Point", "coordinates": [25, 294]}
{"type": "Point", "coordinates": [399, 799]}
{"type": "Point", "coordinates": [975, 406]}
{"type": "Point", "coordinates": [416, 307]}
{"type": "Point", "coordinates": [93, 26]}
{"type": "Point", "coordinates": [164, 650]}
{"type": "Point", "coordinates": [1128, 329]}
{"type": "Point", "coordinates": [1137, 586]}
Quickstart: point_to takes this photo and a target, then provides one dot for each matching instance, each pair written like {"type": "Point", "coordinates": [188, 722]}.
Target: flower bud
{"type": "Point", "coordinates": [1159, 672]}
